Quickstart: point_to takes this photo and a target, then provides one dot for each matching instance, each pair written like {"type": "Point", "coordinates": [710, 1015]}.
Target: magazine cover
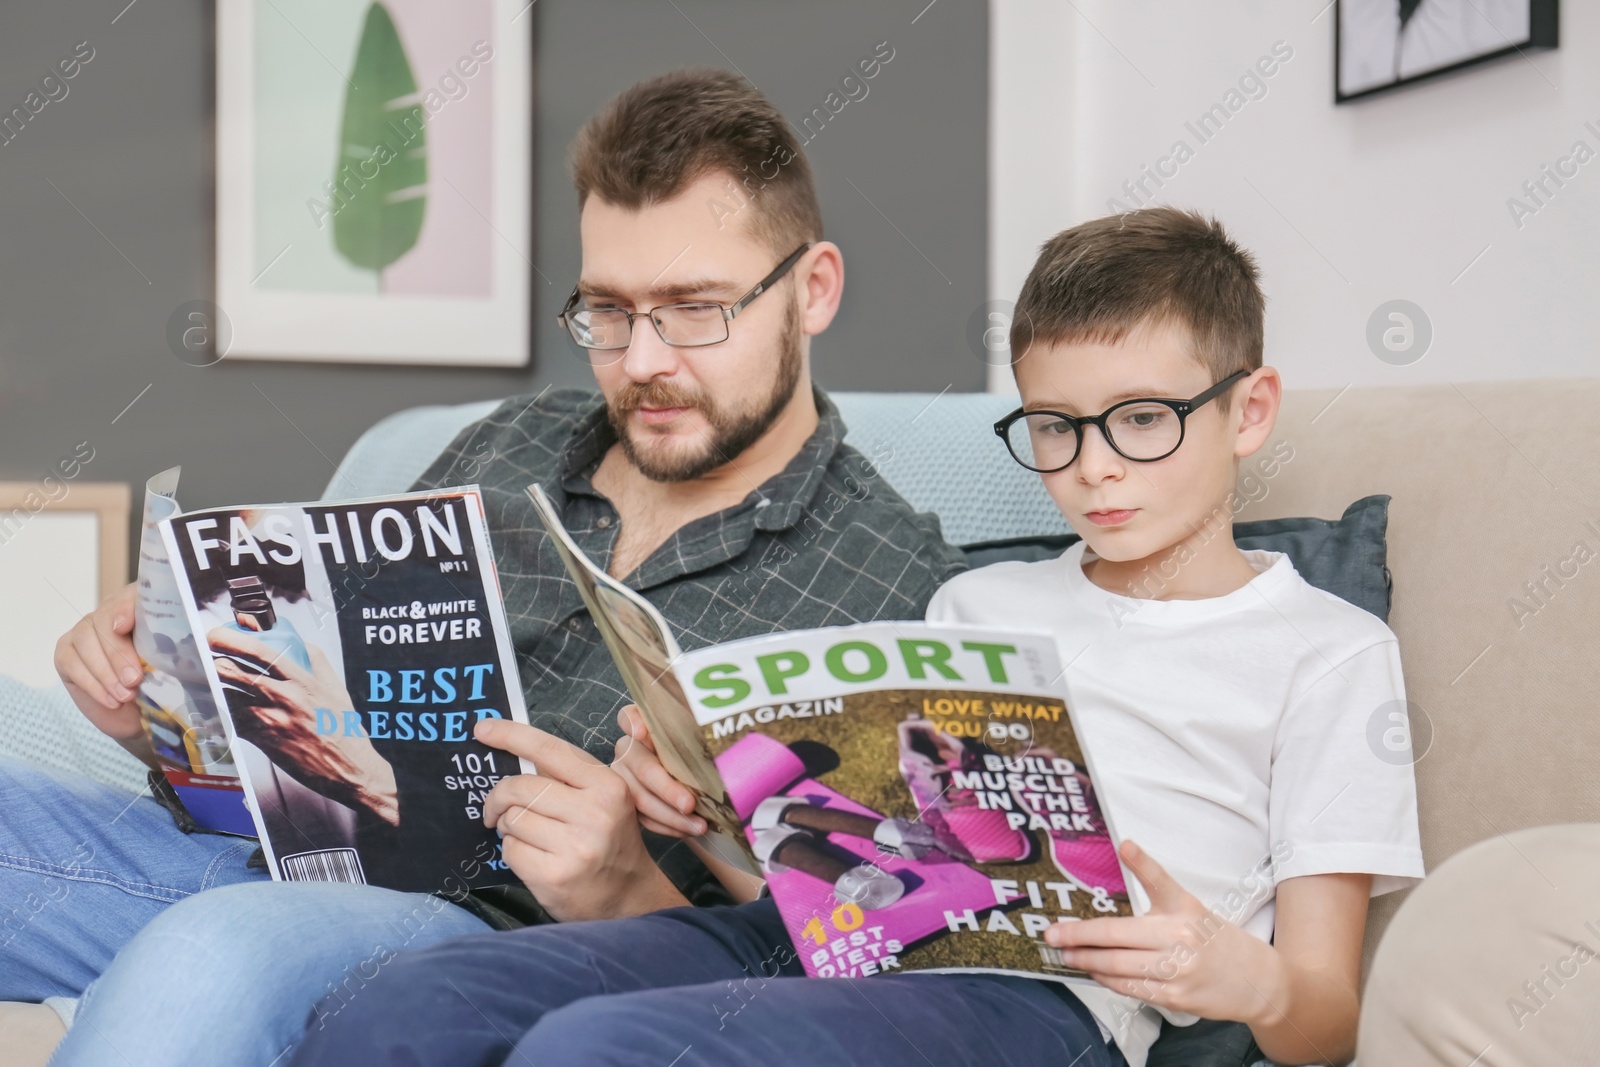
{"type": "Point", "coordinates": [352, 646]}
{"type": "Point", "coordinates": [642, 645]}
{"type": "Point", "coordinates": [917, 794]}
{"type": "Point", "coordinates": [180, 718]}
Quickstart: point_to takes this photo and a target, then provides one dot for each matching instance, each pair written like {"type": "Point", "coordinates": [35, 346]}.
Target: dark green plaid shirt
{"type": "Point", "coordinates": [826, 542]}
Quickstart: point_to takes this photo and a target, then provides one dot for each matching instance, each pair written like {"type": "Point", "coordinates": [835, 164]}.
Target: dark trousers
{"type": "Point", "coordinates": [681, 987]}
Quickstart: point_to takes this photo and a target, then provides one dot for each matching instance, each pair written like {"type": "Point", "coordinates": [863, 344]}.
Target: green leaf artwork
{"type": "Point", "coordinates": [382, 171]}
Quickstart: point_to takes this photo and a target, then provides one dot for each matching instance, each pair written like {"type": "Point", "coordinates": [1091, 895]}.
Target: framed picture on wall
{"type": "Point", "coordinates": [374, 180]}
{"type": "Point", "coordinates": [1383, 44]}
{"type": "Point", "coordinates": [63, 549]}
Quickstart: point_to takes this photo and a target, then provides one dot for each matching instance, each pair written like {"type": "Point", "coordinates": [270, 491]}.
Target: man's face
{"type": "Point", "coordinates": [680, 413]}
{"type": "Point", "coordinates": [1126, 510]}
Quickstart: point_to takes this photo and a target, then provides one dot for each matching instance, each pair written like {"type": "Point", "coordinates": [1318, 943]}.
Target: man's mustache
{"type": "Point", "coordinates": [655, 395]}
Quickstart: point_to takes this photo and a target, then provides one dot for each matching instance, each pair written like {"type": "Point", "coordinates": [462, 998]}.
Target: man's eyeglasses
{"type": "Point", "coordinates": [1142, 430]}
{"type": "Point", "coordinates": [690, 325]}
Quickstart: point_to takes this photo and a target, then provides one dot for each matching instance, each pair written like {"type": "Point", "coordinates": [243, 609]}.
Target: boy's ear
{"type": "Point", "coordinates": [1258, 405]}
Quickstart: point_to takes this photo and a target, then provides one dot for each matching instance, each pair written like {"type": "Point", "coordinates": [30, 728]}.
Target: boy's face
{"type": "Point", "coordinates": [1123, 509]}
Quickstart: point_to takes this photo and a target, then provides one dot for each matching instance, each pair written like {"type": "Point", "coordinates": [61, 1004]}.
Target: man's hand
{"type": "Point", "coordinates": [281, 720]}
{"type": "Point", "coordinates": [569, 831]}
{"type": "Point", "coordinates": [1169, 957]}
{"type": "Point", "coordinates": [98, 665]}
{"type": "Point", "coordinates": [665, 805]}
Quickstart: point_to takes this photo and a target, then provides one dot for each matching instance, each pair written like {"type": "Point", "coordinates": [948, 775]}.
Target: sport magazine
{"type": "Point", "coordinates": [916, 796]}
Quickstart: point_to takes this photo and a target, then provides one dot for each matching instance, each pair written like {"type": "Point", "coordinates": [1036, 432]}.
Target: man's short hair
{"type": "Point", "coordinates": [1096, 282]}
{"type": "Point", "coordinates": [654, 139]}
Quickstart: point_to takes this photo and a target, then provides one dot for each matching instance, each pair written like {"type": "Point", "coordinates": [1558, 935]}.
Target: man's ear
{"type": "Point", "coordinates": [1258, 407]}
{"type": "Point", "coordinates": [819, 275]}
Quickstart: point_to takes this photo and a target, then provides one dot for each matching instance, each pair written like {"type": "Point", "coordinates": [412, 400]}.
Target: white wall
{"type": "Point", "coordinates": [1346, 207]}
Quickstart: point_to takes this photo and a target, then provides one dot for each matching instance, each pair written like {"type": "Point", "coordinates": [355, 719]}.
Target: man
{"type": "Point", "coordinates": [709, 475]}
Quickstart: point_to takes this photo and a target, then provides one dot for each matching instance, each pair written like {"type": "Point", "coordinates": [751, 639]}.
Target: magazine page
{"type": "Point", "coordinates": [917, 794]}
{"type": "Point", "coordinates": [180, 718]}
{"type": "Point", "coordinates": [644, 649]}
{"type": "Point", "coordinates": [353, 645]}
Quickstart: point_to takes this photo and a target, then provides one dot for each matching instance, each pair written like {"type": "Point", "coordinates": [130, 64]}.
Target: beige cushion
{"type": "Point", "coordinates": [1494, 485]}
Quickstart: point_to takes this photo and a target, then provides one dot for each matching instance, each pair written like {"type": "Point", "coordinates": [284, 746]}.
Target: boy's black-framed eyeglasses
{"type": "Point", "coordinates": [1142, 430]}
{"type": "Point", "coordinates": [687, 325]}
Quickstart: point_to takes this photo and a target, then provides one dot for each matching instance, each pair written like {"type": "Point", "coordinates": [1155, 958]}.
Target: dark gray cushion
{"type": "Point", "coordinates": [1207, 1043]}
{"type": "Point", "coordinates": [1344, 556]}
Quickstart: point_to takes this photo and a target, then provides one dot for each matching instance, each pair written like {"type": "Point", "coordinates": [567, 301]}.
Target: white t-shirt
{"type": "Point", "coordinates": [1239, 739]}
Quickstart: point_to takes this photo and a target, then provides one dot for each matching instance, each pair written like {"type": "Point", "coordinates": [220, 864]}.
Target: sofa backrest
{"type": "Point", "coordinates": [938, 450]}
{"type": "Point", "coordinates": [1494, 545]}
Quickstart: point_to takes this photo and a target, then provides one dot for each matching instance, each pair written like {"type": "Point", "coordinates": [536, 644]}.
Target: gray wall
{"type": "Point", "coordinates": [106, 202]}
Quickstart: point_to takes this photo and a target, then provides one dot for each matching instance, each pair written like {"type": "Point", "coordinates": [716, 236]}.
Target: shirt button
{"type": "Point", "coordinates": [604, 522]}
{"type": "Point", "coordinates": [575, 623]}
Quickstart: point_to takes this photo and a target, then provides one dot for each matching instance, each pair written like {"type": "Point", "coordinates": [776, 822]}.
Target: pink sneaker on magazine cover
{"type": "Point", "coordinates": [971, 833]}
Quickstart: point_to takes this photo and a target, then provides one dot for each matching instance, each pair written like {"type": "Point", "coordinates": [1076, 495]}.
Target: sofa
{"type": "Point", "coordinates": [1493, 544]}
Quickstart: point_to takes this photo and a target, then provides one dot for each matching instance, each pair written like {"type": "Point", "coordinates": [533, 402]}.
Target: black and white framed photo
{"type": "Point", "coordinates": [1383, 44]}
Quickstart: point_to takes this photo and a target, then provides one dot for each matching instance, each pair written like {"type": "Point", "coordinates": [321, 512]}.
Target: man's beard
{"type": "Point", "coordinates": [731, 431]}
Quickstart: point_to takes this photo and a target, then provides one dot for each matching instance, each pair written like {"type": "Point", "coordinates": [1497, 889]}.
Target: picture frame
{"type": "Point", "coordinates": [63, 549]}
{"type": "Point", "coordinates": [1382, 45]}
{"type": "Point", "coordinates": [374, 182]}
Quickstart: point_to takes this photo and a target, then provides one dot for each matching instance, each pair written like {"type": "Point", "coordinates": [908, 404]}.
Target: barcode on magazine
{"type": "Point", "coordinates": [329, 865]}
{"type": "Point", "coordinates": [1051, 958]}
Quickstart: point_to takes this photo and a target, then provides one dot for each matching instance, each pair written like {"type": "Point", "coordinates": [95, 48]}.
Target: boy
{"type": "Point", "coordinates": [1226, 706]}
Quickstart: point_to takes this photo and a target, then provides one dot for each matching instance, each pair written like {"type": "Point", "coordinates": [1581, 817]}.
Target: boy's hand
{"type": "Point", "coordinates": [665, 805]}
{"type": "Point", "coordinates": [569, 831]}
{"type": "Point", "coordinates": [1169, 957]}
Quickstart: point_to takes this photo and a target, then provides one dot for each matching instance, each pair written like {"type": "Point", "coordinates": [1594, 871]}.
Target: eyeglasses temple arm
{"type": "Point", "coordinates": [1002, 425]}
{"type": "Point", "coordinates": [572, 302]}
{"type": "Point", "coordinates": [761, 286]}
{"type": "Point", "coordinates": [1218, 388]}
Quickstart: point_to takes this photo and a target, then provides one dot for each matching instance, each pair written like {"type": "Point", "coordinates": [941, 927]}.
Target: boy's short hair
{"type": "Point", "coordinates": [656, 137]}
{"type": "Point", "coordinates": [1099, 280]}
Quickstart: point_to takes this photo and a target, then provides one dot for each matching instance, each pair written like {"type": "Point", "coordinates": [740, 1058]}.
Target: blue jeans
{"type": "Point", "coordinates": [685, 986]}
{"type": "Point", "coordinates": [181, 953]}
{"type": "Point", "coordinates": [83, 867]}
{"type": "Point", "coordinates": [230, 976]}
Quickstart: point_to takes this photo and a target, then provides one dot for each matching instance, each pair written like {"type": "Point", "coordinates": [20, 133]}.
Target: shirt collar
{"type": "Point", "coordinates": [591, 437]}
{"type": "Point", "coordinates": [779, 502]}
{"type": "Point", "coordinates": [787, 493]}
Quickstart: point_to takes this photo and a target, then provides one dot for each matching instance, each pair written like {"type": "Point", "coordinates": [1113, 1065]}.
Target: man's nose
{"type": "Point", "coordinates": [647, 355]}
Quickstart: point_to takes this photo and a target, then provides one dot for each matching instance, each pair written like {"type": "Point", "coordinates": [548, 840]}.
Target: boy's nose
{"type": "Point", "coordinates": [1097, 460]}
